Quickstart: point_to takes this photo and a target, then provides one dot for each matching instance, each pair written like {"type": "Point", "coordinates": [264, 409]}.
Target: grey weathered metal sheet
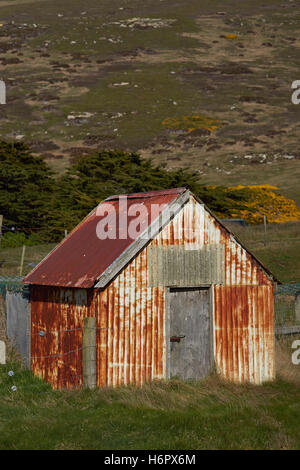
{"type": "Point", "coordinates": [176, 266]}
{"type": "Point", "coordinates": [18, 321]}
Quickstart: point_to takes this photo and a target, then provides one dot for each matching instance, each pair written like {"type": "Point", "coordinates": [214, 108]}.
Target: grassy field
{"type": "Point", "coordinates": [85, 77]}
{"type": "Point", "coordinates": [210, 414]}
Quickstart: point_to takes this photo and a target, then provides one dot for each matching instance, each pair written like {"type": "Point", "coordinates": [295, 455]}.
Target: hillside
{"type": "Point", "coordinates": [199, 85]}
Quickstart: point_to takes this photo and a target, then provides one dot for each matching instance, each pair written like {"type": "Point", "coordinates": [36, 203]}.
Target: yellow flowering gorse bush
{"type": "Point", "coordinates": [263, 200]}
{"type": "Point", "coordinates": [191, 123]}
{"type": "Point", "coordinates": [231, 36]}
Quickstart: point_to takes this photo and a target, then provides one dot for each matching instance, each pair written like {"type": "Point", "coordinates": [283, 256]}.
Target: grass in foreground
{"type": "Point", "coordinates": [210, 414]}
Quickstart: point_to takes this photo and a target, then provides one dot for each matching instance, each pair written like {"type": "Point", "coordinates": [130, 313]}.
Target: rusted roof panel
{"type": "Point", "coordinates": [82, 257]}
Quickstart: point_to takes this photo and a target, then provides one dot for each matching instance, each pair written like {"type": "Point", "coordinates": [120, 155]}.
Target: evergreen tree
{"type": "Point", "coordinates": [32, 200]}
{"type": "Point", "coordinates": [25, 185]}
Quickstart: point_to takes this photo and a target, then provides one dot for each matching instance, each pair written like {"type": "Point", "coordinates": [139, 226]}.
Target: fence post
{"type": "Point", "coordinates": [89, 364]}
{"type": "Point", "coordinates": [2, 352]}
{"type": "Point", "coordinates": [22, 259]}
{"type": "Point", "coordinates": [265, 229]}
{"type": "Point", "coordinates": [1, 222]}
{"type": "Point", "coordinates": [297, 308]}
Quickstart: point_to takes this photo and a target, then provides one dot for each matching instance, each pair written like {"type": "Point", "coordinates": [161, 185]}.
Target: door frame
{"type": "Point", "coordinates": [210, 289]}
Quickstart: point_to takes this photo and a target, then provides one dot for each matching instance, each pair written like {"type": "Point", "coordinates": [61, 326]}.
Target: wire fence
{"type": "Point", "coordinates": [19, 261]}
{"type": "Point", "coordinates": [287, 305]}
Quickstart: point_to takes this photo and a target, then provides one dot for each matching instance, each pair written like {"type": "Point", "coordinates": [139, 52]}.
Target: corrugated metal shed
{"type": "Point", "coordinates": [127, 291]}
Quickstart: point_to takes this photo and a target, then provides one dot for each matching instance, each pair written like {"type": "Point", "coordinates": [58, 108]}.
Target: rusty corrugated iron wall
{"type": "Point", "coordinates": [131, 343]}
{"type": "Point", "coordinates": [131, 325]}
{"type": "Point", "coordinates": [244, 333]}
{"type": "Point", "coordinates": [56, 334]}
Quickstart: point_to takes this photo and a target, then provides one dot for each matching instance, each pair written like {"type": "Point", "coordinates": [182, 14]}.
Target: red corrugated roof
{"type": "Point", "coordinates": [82, 257]}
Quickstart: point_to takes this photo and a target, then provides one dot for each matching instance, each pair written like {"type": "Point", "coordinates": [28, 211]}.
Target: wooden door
{"type": "Point", "coordinates": [190, 333]}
